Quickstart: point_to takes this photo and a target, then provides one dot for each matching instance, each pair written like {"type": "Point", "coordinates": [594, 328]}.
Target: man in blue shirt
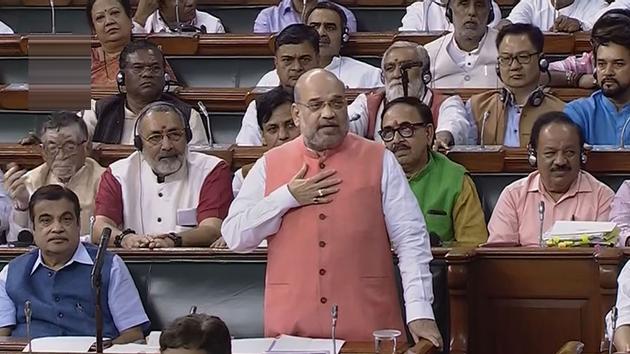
{"type": "Point", "coordinates": [603, 115]}
{"type": "Point", "coordinates": [55, 278]}
{"type": "Point", "coordinates": [275, 18]}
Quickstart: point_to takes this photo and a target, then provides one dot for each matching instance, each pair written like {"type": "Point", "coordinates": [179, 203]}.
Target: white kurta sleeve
{"type": "Point", "coordinates": [623, 302]}
{"type": "Point", "coordinates": [358, 115]}
{"type": "Point", "coordinates": [408, 234]}
{"type": "Point", "coordinates": [250, 134]}
{"type": "Point", "coordinates": [270, 79]}
{"type": "Point", "coordinates": [199, 136]}
{"type": "Point", "coordinates": [414, 17]}
{"type": "Point", "coordinates": [252, 216]}
{"type": "Point", "coordinates": [89, 117]}
{"type": "Point", "coordinates": [453, 118]}
{"type": "Point", "coordinates": [523, 12]}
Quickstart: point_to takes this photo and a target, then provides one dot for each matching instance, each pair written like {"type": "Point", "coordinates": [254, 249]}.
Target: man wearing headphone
{"type": "Point", "coordinates": [505, 116]}
{"type": "Point", "coordinates": [467, 56]}
{"type": "Point", "coordinates": [331, 23]}
{"type": "Point", "coordinates": [141, 80]}
{"type": "Point", "coordinates": [603, 115]}
{"type": "Point", "coordinates": [169, 17]}
{"type": "Point", "coordinates": [403, 64]}
{"type": "Point", "coordinates": [430, 15]}
{"type": "Point", "coordinates": [558, 190]}
{"type": "Point", "coordinates": [162, 195]}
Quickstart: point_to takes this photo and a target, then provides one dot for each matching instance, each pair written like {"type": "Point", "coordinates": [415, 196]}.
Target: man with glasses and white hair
{"type": "Point", "coordinates": [366, 110]}
{"type": "Point", "coordinates": [65, 150]}
{"type": "Point", "coordinates": [163, 195]}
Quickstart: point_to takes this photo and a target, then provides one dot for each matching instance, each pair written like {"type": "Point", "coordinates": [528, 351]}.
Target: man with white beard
{"type": "Point", "coordinates": [366, 110]}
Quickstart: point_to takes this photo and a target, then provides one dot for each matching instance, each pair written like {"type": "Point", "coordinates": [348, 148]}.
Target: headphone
{"type": "Point", "coordinates": [120, 81]}
{"type": "Point", "coordinates": [137, 139]}
{"type": "Point", "coordinates": [533, 161]}
{"type": "Point", "coordinates": [536, 98]}
{"type": "Point", "coordinates": [449, 12]}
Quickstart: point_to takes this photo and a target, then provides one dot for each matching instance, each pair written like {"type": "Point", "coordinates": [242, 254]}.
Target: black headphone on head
{"type": "Point", "coordinates": [449, 12]}
{"type": "Point", "coordinates": [535, 98]}
{"type": "Point", "coordinates": [120, 81]}
{"type": "Point", "coordinates": [137, 139]}
{"type": "Point", "coordinates": [533, 160]}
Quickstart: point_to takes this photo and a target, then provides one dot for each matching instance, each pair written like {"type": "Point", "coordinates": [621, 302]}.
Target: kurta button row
{"type": "Point", "coordinates": [322, 165]}
{"type": "Point", "coordinates": [322, 271]}
{"type": "Point", "coordinates": [322, 244]}
{"type": "Point", "coordinates": [322, 216]}
{"type": "Point", "coordinates": [323, 300]}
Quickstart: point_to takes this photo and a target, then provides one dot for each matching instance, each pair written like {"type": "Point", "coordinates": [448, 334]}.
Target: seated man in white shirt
{"type": "Point", "coordinates": [163, 195]}
{"type": "Point", "coordinates": [4, 29]}
{"type": "Point", "coordinates": [430, 15]}
{"type": "Point", "coordinates": [331, 24]}
{"type": "Point", "coordinates": [556, 15]}
{"type": "Point", "coordinates": [366, 110]}
{"type": "Point", "coordinates": [273, 109]}
{"type": "Point", "coordinates": [466, 58]}
{"type": "Point", "coordinates": [296, 51]}
{"type": "Point", "coordinates": [141, 80]}
{"type": "Point", "coordinates": [165, 18]}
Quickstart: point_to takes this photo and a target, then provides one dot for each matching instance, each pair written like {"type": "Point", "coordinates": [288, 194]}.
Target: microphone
{"type": "Point", "coordinates": [96, 285]}
{"type": "Point", "coordinates": [622, 143]}
{"type": "Point", "coordinates": [335, 314]}
{"type": "Point", "coordinates": [541, 218]}
{"type": "Point", "coordinates": [52, 15]}
{"type": "Point", "coordinates": [405, 76]}
{"type": "Point", "coordinates": [28, 312]}
{"type": "Point", "coordinates": [614, 325]}
{"type": "Point", "coordinates": [204, 111]}
{"type": "Point", "coordinates": [179, 25]}
{"type": "Point", "coordinates": [483, 128]}
{"type": "Point", "coordinates": [100, 254]}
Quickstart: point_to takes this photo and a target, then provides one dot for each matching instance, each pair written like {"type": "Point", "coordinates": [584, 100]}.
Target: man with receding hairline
{"type": "Point", "coordinates": [348, 200]}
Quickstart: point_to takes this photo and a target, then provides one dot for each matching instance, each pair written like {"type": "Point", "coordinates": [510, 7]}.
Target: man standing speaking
{"type": "Point", "coordinates": [330, 204]}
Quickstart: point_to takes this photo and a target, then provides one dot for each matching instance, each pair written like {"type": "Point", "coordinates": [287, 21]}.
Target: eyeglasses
{"type": "Point", "coordinates": [69, 147]}
{"type": "Point", "coordinates": [316, 106]}
{"type": "Point", "coordinates": [153, 69]}
{"type": "Point", "coordinates": [521, 58]}
{"type": "Point", "coordinates": [173, 135]}
{"type": "Point", "coordinates": [406, 130]}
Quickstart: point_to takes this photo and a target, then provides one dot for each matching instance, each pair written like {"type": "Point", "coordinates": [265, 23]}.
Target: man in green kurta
{"type": "Point", "coordinates": [446, 193]}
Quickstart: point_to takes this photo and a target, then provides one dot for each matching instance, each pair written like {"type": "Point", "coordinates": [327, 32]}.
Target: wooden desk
{"type": "Point", "coordinates": [16, 345]}
{"type": "Point", "coordinates": [243, 45]}
{"type": "Point", "coordinates": [506, 160]}
{"type": "Point", "coordinates": [16, 97]}
{"type": "Point", "coordinates": [237, 2]}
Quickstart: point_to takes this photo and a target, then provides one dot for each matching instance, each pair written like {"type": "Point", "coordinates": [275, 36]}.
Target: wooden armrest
{"type": "Point", "coordinates": [573, 347]}
{"type": "Point", "coordinates": [423, 347]}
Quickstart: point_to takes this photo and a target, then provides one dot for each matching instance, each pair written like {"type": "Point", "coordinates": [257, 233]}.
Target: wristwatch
{"type": "Point", "coordinates": [177, 240]}
{"type": "Point", "coordinates": [118, 239]}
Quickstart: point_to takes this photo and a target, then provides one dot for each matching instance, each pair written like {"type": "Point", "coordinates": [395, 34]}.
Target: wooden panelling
{"type": "Point", "coordinates": [240, 45]}
{"type": "Point", "coordinates": [237, 156]}
{"type": "Point", "coordinates": [229, 99]}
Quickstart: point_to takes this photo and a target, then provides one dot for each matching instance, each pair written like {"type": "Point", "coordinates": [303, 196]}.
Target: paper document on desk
{"type": "Point", "coordinates": [133, 348]}
{"type": "Point", "coordinates": [251, 345]}
{"type": "Point", "coordinates": [581, 233]}
{"type": "Point", "coordinates": [61, 344]}
{"type": "Point", "coordinates": [295, 344]}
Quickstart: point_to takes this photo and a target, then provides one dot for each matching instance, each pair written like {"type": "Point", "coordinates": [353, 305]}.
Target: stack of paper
{"type": "Point", "coordinates": [251, 345]}
{"type": "Point", "coordinates": [292, 344]}
{"type": "Point", "coordinates": [61, 344]}
{"type": "Point", "coordinates": [133, 348]}
{"type": "Point", "coordinates": [581, 233]}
